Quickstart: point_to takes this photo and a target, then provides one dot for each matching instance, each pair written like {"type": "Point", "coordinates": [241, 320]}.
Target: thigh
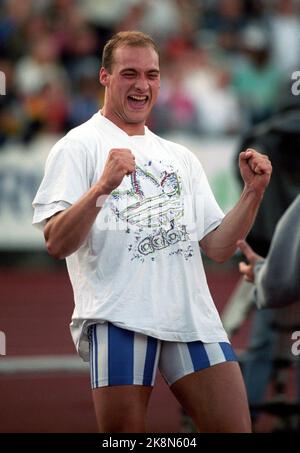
{"type": "Point", "coordinates": [123, 367]}
{"type": "Point", "coordinates": [206, 379]}
{"type": "Point", "coordinates": [215, 398]}
{"type": "Point", "coordinates": [121, 409]}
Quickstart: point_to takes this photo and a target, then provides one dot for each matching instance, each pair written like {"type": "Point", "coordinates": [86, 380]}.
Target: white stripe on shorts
{"type": "Point", "coordinates": [214, 353]}
{"type": "Point", "coordinates": [175, 361]}
{"type": "Point", "coordinates": [101, 360]}
{"type": "Point", "coordinates": [158, 349]}
{"type": "Point", "coordinates": [140, 349]}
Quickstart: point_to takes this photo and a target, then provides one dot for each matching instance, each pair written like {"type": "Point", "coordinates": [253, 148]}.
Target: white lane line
{"type": "Point", "coordinates": [42, 364]}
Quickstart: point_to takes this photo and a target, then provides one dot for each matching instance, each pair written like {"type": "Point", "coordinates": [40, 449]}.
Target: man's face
{"type": "Point", "coordinates": [132, 87]}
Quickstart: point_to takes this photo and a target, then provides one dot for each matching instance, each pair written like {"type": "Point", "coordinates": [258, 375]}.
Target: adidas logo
{"type": "Point", "coordinates": [163, 239]}
{"type": "Point", "coordinates": [149, 202]}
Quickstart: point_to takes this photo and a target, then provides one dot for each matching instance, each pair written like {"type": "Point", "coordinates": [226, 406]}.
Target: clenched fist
{"type": "Point", "coordinates": [256, 169]}
{"type": "Point", "coordinates": [120, 162]}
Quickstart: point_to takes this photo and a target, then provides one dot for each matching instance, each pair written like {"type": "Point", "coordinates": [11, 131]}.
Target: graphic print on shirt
{"type": "Point", "coordinates": [151, 208]}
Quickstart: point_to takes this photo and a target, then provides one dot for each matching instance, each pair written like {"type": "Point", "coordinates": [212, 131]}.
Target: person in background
{"type": "Point", "coordinates": [279, 138]}
{"type": "Point", "coordinates": [277, 285]}
{"type": "Point", "coordinates": [276, 277]}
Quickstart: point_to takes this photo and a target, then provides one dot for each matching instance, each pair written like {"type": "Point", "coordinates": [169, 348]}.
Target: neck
{"type": "Point", "coordinates": [129, 128]}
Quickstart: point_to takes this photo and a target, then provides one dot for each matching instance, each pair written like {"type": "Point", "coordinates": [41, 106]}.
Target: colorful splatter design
{"type": "Point", "coordinates": [151, 208]}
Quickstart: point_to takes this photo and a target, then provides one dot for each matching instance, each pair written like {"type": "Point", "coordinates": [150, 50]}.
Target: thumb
{"type": "Point", "coordinates": [249, 253]}
{"type": "Point", "coordinates": [243, 267]}
{"type": "Point", "coordinates": [247, 271]}
{"type": "Point", "coordinates": [245, 155]}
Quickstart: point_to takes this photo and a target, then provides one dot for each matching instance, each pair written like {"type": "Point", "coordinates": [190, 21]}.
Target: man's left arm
{"type": "Point", "coordinates": [256, 170]}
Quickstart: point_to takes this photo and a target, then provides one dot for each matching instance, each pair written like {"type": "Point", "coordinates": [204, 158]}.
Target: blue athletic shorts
{"type": "Point", "coordinates": [124, 357]}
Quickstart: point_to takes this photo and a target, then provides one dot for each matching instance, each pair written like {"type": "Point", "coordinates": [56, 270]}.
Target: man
{"type": "Point", "coordinates": [277, 278]}
{"type": "Point", "coordinates": [128, 211]}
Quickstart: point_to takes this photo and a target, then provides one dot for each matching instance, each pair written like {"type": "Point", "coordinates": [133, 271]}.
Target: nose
{"type": "Point", "coordinates": [141, 83]}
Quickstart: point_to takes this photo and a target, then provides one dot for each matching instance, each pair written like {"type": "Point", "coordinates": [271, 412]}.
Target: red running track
{"type": "Point", "coordinates": [35, 313]}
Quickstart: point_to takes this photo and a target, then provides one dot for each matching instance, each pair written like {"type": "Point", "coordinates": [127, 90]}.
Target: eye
{"type": "Point", "coordinates": [129, 74]}
{"type": "Point", "coordinates": [153, 75]}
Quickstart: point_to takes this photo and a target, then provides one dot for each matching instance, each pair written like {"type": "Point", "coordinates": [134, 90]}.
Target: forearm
{"type": "Point", "coordinates": [67, 231]}
{"type": "Point", "coordinates": [220, 244]}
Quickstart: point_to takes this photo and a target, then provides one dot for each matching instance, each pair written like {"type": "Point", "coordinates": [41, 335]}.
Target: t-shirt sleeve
{"type": "Point", "coordinates": [65, 180]}
{"type": "Point", "coordinates": [208, 214]}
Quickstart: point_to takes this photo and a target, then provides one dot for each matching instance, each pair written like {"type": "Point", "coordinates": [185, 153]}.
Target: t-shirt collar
{"type": "Point", "coordinates": [100, 119]}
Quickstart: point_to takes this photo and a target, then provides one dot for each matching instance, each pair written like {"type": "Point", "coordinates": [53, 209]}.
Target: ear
{"type": "Point", "coordinates": [103, 77]}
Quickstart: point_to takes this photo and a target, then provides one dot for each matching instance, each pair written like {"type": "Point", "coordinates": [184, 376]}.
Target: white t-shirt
{"type": "Point", "coordinates": [140, 267]}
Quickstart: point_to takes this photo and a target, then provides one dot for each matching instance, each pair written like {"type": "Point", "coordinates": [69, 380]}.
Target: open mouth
{"type": "Point", "coordinates": [137, 101]}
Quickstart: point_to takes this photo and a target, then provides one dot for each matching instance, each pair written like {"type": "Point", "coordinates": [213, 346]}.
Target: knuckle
{"type": "Point", "coordinates": [113, 154]}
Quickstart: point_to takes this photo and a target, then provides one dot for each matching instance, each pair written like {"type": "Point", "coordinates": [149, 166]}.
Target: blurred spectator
{"type": "Point", "coordinates": [175, 109]}
{"type": "Point", "coordinates": [256, 81]}
{"type": "Point", "coordinates": [11, 118]}
{"type": "Point", "coordinates": [160, 19]}
{"type": "Point", "coordinates": [14, 15]}
{"type": "Point", "coordinates": [50, 41]}
{"type": "Point", "coordinates": [285, 36]}
{"type": "Point", "coordinates": [42, 88]}
{"type": "Point", "coordinates": [226, 19]}
{"type": "Point", "coordinates": [88, 98]}
{"type": "Point", "coordinates": [105, 15]}
{"type": "Point", "coordinates": [46, 111]}
{"type": "Point", "coordinates": [39, 67]}
{"type": "Point", "coordinates": [209, 87]}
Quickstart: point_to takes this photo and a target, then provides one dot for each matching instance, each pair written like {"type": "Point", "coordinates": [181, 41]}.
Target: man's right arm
{"type": "Point", "coordinates": [67, 230]}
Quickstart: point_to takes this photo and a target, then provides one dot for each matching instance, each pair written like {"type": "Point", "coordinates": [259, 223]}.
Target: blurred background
{"type": "Point", "coordinates": [227, 68]}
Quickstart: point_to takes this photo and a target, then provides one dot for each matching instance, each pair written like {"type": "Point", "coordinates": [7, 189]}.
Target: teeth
{"type": "Point", "coordinates": [139, 98]}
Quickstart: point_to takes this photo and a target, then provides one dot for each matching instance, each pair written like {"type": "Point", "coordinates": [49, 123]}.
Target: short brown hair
{"type": "Point", "coordinates": [125, 38]}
